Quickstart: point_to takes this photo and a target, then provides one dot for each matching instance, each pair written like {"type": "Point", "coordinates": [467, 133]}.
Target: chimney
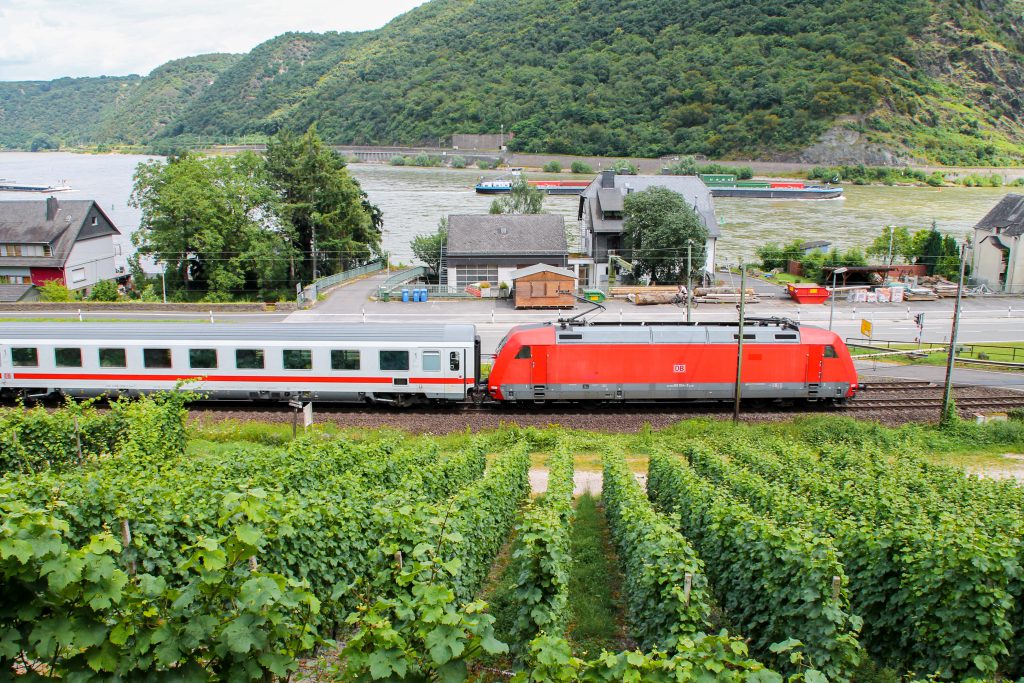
{"type": "Point", "coordinates": [608, 178]}
{"type": "Point", "coordinates": [51, 208]}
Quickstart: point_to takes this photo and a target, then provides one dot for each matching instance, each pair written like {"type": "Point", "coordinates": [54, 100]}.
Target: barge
{"type": "Point", "coordinates": [726, 185]}
{"type": "Point", "coordinates": [12, 186]}
{"type": "Point", "coordinates": [555, 187]}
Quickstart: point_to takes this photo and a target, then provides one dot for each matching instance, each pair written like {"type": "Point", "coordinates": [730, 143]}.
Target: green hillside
{"type": "Point", "coordinates": [881, 80]}
{"type": "Point", "coordinates": [103, 110]}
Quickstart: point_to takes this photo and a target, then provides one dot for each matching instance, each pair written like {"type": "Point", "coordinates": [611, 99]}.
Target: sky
{"type": "Point", "coordinates": [47, 39]}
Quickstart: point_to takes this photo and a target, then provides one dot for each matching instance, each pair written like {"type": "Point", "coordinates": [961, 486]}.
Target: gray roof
{"type": "Point", "coordinates": [693, 189]}
{"type": "Point", "coordinates": [474, 235]}
{"type": "Point", "coordinates": [1007, 214]}
{"type": "Point", "coordinates": [90, 333]}
{"type": "Point", "coordinates": [12, 293]}
{"type": "Point", "coordinates": [26, 222]}
{"type": "Point", "coordinates": [541, 268]}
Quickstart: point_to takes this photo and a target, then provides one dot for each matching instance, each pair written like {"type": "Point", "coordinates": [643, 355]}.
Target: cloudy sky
{"type": "Point", "coordinates": [45, 39]}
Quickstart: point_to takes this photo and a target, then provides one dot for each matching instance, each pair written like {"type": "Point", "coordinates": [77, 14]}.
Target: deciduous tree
{"type": "Point", "coordinates": [658, 226]}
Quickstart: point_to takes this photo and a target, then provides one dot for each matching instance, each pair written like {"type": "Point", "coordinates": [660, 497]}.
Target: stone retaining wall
{"type": "Point", "coordinates": [138, 307]}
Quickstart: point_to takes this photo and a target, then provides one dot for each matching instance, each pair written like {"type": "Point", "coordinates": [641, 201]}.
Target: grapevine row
{"type": "Point", "coordinates": [775, 582]}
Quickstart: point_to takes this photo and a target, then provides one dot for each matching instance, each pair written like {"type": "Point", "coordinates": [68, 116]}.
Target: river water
{"type": "Point", "coordinates": [413, 200]}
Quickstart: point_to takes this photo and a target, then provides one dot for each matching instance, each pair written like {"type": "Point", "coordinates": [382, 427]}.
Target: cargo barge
{"type": "Point", "coordinates": [557, 187]}
{"type": "Point", "coordinates": [726, 185]}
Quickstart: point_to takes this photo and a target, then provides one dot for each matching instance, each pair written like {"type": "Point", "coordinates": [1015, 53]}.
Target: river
{"type": "Point", "coordinates": [413, 200]}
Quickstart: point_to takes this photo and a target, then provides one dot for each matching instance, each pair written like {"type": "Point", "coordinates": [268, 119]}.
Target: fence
{"type": "Point", "coordinates": [964, 352]}
{"type": "Point", "coordinates": [312, 292]}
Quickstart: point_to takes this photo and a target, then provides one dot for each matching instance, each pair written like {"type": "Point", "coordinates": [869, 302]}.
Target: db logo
{"type": "Point", "coordinates": [681, 368]}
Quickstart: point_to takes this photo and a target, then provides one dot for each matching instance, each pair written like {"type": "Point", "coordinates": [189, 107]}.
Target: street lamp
{"type": "Point", "coordinates": [832, 309]}
{"type": "Point", "coordinates": [689, 278]}
{"type": "Point", "coordinates": [892, 231]}
{"type": "Point", "coordinates": [384, 246]}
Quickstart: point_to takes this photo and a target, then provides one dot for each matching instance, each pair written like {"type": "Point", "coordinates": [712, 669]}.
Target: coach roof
{"type": "Point", "coordinates": [114, 333]}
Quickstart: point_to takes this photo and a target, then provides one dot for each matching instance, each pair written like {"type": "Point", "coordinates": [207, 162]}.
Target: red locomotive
{"type": "Point", "coordinates": [670, 361]}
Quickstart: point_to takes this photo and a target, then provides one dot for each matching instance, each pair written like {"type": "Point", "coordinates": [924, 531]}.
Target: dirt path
{"type": "Point", "coordinates": [585, 481]}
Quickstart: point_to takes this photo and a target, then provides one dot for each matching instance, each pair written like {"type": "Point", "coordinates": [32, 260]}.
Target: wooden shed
{"type": "Point", "coordinates": [544, 286]}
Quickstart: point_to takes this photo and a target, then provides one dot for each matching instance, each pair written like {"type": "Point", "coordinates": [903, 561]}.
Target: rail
{"type": "Point", "coordinates": [392, 287]}
{"type": "Point", "coordinates": [312, 292]}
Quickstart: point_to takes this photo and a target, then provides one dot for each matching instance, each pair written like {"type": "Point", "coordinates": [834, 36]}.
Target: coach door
{"type": "Point", "coordinates": [814, 369]}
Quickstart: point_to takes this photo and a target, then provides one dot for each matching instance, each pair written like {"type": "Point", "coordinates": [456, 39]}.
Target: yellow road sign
{"type": "Point", "coordinates": [865, 328]}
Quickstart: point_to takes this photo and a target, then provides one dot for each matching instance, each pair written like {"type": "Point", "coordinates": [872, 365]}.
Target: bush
{"type": "Point", "coordinates": [685, 166]}
{"type": "Point", "coordinates": [398, 160]}
{"type": "Point", "coordinates": [55, 291]}
{"type": "Point", "coordinates": [585, 168]}
{"type": "Point", "coordinates": [623, 167]}
{"type": "Point", "coordinates": [105, 290]}
{"type": "Point", "coordinates": [486, 164]}
{"type": "Point", "coordinates": [552, 167]}
{"type": "Point", "coordinates": [458, 162]}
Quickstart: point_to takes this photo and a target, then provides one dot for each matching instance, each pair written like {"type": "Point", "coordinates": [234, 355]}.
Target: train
{"type": "Point", "coordinates": [402, 365]}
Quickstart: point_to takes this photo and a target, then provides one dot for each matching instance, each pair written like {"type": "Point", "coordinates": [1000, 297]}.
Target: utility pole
{"type": "Point", "coordinates": [892, 231]}
{"type": "Point", "coordinates": [689, 278]}
{"type": "Point", "coordinates": [947, 394]}
{"type": "Point", "coordinates": [739, 345]}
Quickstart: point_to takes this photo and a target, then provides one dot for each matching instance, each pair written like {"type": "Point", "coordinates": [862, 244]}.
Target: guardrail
{"type": "Point", "coordinates": [393, 286]}
{"type": "Point", "coordinates": [312, 291]}
{"type": "Point", "coordinates": [979, 354]}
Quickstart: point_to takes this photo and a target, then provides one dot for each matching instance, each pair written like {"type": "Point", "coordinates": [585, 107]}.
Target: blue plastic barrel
{"type": "Point", "coordinates": [423, 294]}
{"type": "Point", "coordinates": [405, 294]}
{"type": "Point", "coordinates": [416, 294]}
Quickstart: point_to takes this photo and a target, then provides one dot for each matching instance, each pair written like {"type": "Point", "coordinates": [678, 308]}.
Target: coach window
{"type": "Point", "coordinates": [67, 358]}
{"type": "Point", "coordinates": [113, 358]}
{"type": "Point", "coordinates": [431, 361]}
{"type": "Point", "coordinates": [453, 361]}
{"type": "Point", "coordinates": [830, 352]}
{"type": "Point", "coordinates": [156, 358]}
{"type": "Point", "coordinates": [202, 358]}
{"type": "Point", "coordinates": [394, 360]}
{"type": "Point", "coordinates": [524, 352]}
{"type": "Point", "coordinates": [344, 359]}
{"type": "Point", "coordinates": [297, 359]}
{"type": "Point", "coordinates": [249, 359]}
{"type": "Point", "coordinates": [24, 357]}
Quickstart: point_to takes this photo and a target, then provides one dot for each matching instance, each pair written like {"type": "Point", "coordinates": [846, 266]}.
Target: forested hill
{"type": "Point", "coordinates": [819, 80]}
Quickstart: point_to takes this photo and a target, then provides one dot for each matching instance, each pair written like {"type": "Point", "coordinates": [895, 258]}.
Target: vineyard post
{"type": "Point", "coordinates": [78, 441]}
{"type": "Point", "coordinates": [947, 394]}
{"type": "Point", "coordinates": [739, 345]}
{"type": "Point", "coordinates": [687, 587]}
{"type": "Point", "coordinates": [126, 542]}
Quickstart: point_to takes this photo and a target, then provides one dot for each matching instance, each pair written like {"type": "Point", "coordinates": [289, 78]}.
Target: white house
{"type": "Point", "coordinates": [997, 253]}
{"type": "Point", "coordinates": [71, 241]}
{"type": "Point", "coordinates": [601, 212]}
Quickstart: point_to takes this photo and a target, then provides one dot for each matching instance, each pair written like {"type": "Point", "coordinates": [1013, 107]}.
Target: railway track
{"type": "Point", "coordinates": [901, 385]}
{"type": "Point", "coordinates": [917, 402]}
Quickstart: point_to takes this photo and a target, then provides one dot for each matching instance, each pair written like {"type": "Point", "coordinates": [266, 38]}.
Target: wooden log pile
{"type": "Point", "coordinates": [626, 290]}
{"type": "Point", "coordinates": [723, 295]}
{"type": "Point", "coordinates": [651, 298]}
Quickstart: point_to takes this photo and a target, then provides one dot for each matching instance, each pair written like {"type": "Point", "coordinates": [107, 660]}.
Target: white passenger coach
{"type": "Point", "coordinates": [350, 363]}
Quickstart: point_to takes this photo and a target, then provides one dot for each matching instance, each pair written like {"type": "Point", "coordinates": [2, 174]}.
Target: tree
{"type": "Point", "coordinates": [104, 290]}
{"type": "Point", "coordinates": [322, 207]}
{"type": "Point", "coordinates": [522, 198]}
{"type": "Point", "coordinates": [427, 248]}
{"type": "Point", "coordinates": [658, 226]}
{"type": "Point", "coordinates": [212, 222]}
{"type": "Point", "coordinates": [902, 245]}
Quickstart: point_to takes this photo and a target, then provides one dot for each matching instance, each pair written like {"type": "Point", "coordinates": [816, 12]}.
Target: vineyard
{"type": "Point", "coordinates": [135, 546]}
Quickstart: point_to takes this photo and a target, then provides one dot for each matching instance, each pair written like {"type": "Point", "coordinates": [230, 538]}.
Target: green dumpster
{"type": "Point", "coordinates": [595, 295]}
{"type": "Point", "coordinates": [385, 295]}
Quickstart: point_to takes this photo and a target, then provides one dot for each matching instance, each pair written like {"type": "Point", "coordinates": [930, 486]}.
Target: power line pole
{"type": "Point", "coordinates": [739, 345]}
{"type": "Point", "coordinates": [689, 278]}
{"type": "Point", "coordinates": [947, 394]}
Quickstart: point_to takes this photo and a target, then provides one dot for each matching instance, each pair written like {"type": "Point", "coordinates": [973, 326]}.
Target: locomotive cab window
{"type": "Point", "coordinates": [830, 352]}
{"type": "Point", "coordinates": [453, 361]}
{"type": "Point", "coordinates": [113, 358]}
{"type": "Point", "coordinates": [67, 358]}
{"type": "Point", "coordinates": [202, 358]}
{"type": "Point", "coordinates": [431, 361]}
{"type": "Point", "coordinates": [24, 357]}
{"type": "Point", "coordinates": [524, 352]}
{"type": "Point", "coordinates": [297, 359]}
{"type": "Point", "coordinates": [156, 358]}
{"type": "Point", "coordinates": [249, 359]}
{"type": "Point", "coordinates": [394, 360]}
{"type": "Point", "coordinates": [344, 359]}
